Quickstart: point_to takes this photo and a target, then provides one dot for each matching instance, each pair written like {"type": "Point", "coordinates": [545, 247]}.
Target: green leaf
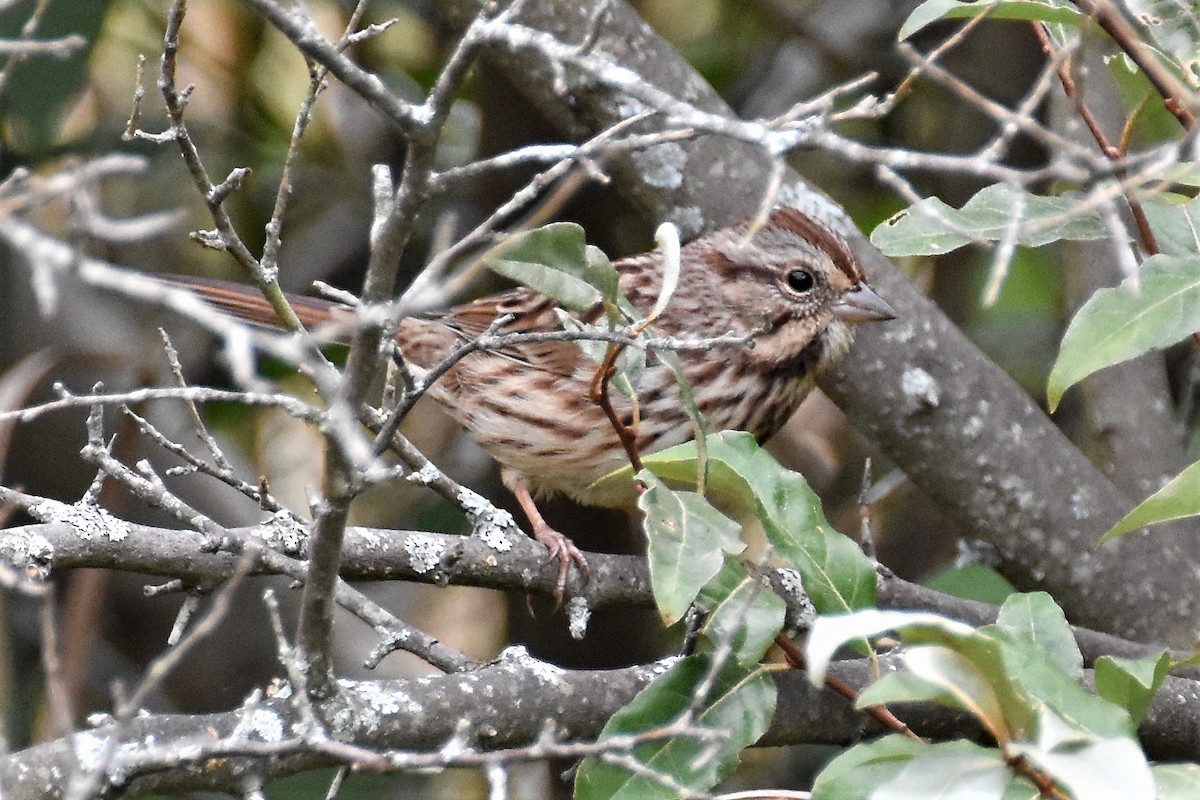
{"type": "Point", "coordinates": [973, 582]}
{"type": "Point", "coordinates": [1131, 683]}
{"type": "Point", "coordinates": [1154, 121]}
{"type": "Point", "coordinates": [687, 537]}
{"type": "Point", "coordinates": [1036, 620]}
{"type": "Point", "coordinates": [857, 772]}
{"type": "Point", "coordinates": [556, 261]}
{"type": "Point", "coordinates": [1089, 766]}
{"type": "Point", "coordinates": [1179, 499]}
{"type": "Point", "coordinates": [961, 683]}
{"type": "Point", "coordinates": [835, 573]}
{"type": "Point", "coordinates": [736, 711]}
{"type": "Point", "coordinates": [1176, 781]}
{"type": "Point", "coordinates": [831, 631]}
{"type": "Point", "coordinates": [1158, 308]}
{"type": "Point", "coordinates": [903, 687]}
{"type": "Point", "coordinates": [931, 227]}
{"type": "Point", "coordinates": [1174, 30]}
{"type": "Point", "coordinates": [871, 769]}
{"type": "Point", "coordinates": [1008, 659]}
{"type": "Point", "coordinates": [1043, 685]}
{"type": "Point", "coordinates": [932, 10]}
{"type": "Point", "coordinates": [1175, 221]}
{"type": "Point", "coordinates": [959, 773]}
{"type": "Point", "coordinates": [742, 611]}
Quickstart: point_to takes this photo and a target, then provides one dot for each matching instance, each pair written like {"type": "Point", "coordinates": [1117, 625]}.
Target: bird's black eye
{"type": "Point", "coordinates": [800, 280]}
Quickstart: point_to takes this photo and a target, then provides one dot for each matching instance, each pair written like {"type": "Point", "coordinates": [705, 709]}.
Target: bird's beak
{"type": "Point", "coordinates": [861, 304]}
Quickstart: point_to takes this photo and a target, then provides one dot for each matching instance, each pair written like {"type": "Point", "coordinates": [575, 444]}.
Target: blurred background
{"type": "Point", "coordinates": [762, 55]}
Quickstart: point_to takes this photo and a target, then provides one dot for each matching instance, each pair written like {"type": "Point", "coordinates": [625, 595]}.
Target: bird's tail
{"type": "Point", "coordinates": [246, 303]}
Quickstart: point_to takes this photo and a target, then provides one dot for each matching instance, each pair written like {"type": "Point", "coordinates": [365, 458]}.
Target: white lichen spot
{"type": "Point", "coordinates": [89, 750]}
{"type": "Point", "coordinates": [1015, 431]}
{"type": "Point", "coordinates": [545, 672]}
{"type": "Point", "coordinates": [342, 720]}
{"type": "Point", "coordinates": [973, 427]}
{"type": "Point", "coordinates": [385, 702]}
{"type": "Point", "coordinates": [901, 334]}
{"type": "Point", "coordinates": [578, 615]}
{"type": "Point", "coordinates": [801, 612]}
{"type": "Point", "coordinates": [789, 581]}
{"type": "Point", "coordinates": [424, 551]}
{"type": "Point", "coordinates": [372, 538]}
{"type": "Point", "coordinates": [424, 476]}
{"type": "Point", "coordinates": [259, 724]}
{"type": "Point", "coordinates": [490, 524]}
{"type": "Point", "coordinates": [89, 521]}
{"type": "Point", "coordinates": [661, 165]}
{"type": "Point", "coordinates": [663, 664]}
{"type": "Point", "coordinates": [30, 552]}
{"type": "Point", "coordinates": [976, 551]}
{"type": "Point", "coordinates": [1083, 570]}
{"type": "Point", "coordinates": [285, 533]}
{"type": "Point", "coordinates": [921, 386]}
{"type": "Point", "coordinates": [1079, 506]}
{"type": "Point", "coordinates": [518, 658]}
{"type": "Point", "coordinates": [495, 537]}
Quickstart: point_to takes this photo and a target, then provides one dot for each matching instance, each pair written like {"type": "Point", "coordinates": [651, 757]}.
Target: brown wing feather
{"type": "Point", "coordinates": [532, 313]}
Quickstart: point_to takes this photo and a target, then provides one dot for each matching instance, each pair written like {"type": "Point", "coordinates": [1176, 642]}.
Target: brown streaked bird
{"type": "Point", "coordinates": [795, 286]}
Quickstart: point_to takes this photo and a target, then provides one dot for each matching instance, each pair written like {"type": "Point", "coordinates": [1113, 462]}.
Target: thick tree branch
{"type": "Point", "coordinates": [498, 714]}
{"type": "Point", "coordinates": [441, 559]}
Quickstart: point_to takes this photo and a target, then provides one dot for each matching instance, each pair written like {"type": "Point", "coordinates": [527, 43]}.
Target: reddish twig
{"type": "Point", "coordinates": [881, 714]}
{"type": "Point", "coordinates": [599, 395]}
{"type": "Point", "coordinates": [1174, 94]}
{"type": "Point", "coordinates": [1112, 152]}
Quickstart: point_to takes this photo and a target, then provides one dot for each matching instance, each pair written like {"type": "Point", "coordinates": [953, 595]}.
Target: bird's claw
{"type": "Point", "coordinates": [560, 547]}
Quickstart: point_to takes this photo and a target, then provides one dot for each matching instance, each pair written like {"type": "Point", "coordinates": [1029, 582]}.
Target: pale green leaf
{"type": "Point", "coordinates": [1039, 683]}
{"type": "Point", "coordinates": [868, 770]}
{"type": "Point", "coordinates": [742, 612]}
{"type": "Point", "coordinates": [1175, 221]}
{"type": "Point", "coordinates": [1179, 499]}
{"type": "Point", "coordinates": [1176, 781]}
{"type": "Point", "coordinates": [931, 227]}
{"type": "Point", "coordinates": [950, 774]}
{"type": "Point", "coordinates": [556, 261]}
{"type": "Point", "coordinates": [1088, 765]}
{"type": "Point", "coordinates": [857, 772]}
{"type": "Point", "coordinates": [831, 631]}
{"type": "Point", "coordinates": [1036, 620]}
{"type": "Point", "coordinates": [742, 476]}
{"type": "Point", "coordinates": [1159, 307]}
{"type": "Point", "coordinates": [687, 538]}
{"type": "Point", "coordinates": [738, 707]}
{"type": "Point", "coordinates": [932, 10]}
{"type": "Point", "coordinates": [1131, 683]}
{"type": "Point", "coordinates": [1174, 30]}
{"type": "Point", "coordinates": [904, 687]}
